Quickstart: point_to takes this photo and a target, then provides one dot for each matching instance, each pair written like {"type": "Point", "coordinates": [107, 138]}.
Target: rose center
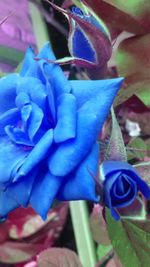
{"type": "Point", "coordinates": [122, 185]}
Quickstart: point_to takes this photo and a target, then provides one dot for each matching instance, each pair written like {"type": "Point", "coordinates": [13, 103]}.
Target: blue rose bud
{"type": "Point", "coordinates": [89, 38]}
{"type": "Point", "coordinates": [122, 184]}
{"type": "Point", "coordinates": [48, 132]}
{"type": "Point", "coordinates": [89, 41]}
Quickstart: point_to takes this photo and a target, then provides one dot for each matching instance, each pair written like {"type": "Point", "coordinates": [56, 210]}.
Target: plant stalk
{"type": "Point", "coordinates": [84, 241]}
{"type": "Point", "coordinates": [39, 26]}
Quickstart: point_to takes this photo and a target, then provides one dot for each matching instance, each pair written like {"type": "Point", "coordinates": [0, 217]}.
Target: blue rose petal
{"type": "Point", "coordinates": [85, 90]}
{"type": "Point", "coordinates": [108, 197]}
{"type": "Point", "coordinates": [10, 157]}
{"type": "Point", "coordinates": [57, 79]}
{"type": "Point", "coordinates": [89, 123]}
{"type": "Point", "coordinates": [22, 99]}
{"type": "Point", "coordinates": [34, 89]}
{"type": "Point", "coordinates": [25, 114]}
{"type": "Point", "coordinates": [20, 191]}
{"type": "Point", "coordinates": [39, 153]}
{"type": "Point", "coordinates": [18, 136]}
{"type": "Point", "coordinates": [7, 204]}
{"type": "Point", "coordinates": [114, 212]}
{"type": "Point", "coordinates": [31, 68]}
{"type": "Point", "coordinates": [54, 73]}
{"type": "Point", "coordinates": [35, 120]}
{"type": "Point", "coordinates": [44, 192]}
{"type": "Point", "coordinates": [80, 183]}
{"type": "Point", "coordinates": [9, 117]}
{"type": "Point", "coordinates": [28, 85]}
{"type": "Point", "coordinates": [47, 53]}
{"type": "Point", "coordinates": [82, 47]}
{"type": "Point", "coordinates": [28, 61]}
{"type": "Point", "coordinates": [40, 97]}
{"type": "Point", "coordinates": [108, 183]}
{"type": "Point", "coordinates": [127, 197]}
{"type": "Point", "coordinates": [121, 185]}
{"type": "Point", "coordinates": [48, 127]}
{"type": "Point", "coordinates": [116, 166]}
{"type": "Point", "coordinates": [66, 118]}
{"type": "Point", "coordinates": [8, 92]}
{"type": "Point", "coordinates": [51, 110]}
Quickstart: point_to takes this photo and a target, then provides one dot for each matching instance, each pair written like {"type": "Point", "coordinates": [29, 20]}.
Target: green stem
{"type": "Point", "coordinates": [83, 236]}
{"type": "Point", "coordinates": [39, 26]}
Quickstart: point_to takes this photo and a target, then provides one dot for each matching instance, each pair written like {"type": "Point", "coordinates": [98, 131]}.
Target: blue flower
{"type": "Point", "coordinates": [121, 185]}
{"type": "Point", "coordinates": [48, 131]}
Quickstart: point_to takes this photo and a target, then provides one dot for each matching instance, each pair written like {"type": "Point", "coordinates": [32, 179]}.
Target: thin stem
{"type": "Point", "coordinates": [97, 73]}
{"type": "Point", "coordinates": [49, 17]}
{"type": "Point", "coordinates": [105, 258]}
{"type": "Point", "coordinates": [147, 163]}
{"type": "Point", "coordinates": [39, 26]}
{"type": "Point", "coordinates": [84, 241]}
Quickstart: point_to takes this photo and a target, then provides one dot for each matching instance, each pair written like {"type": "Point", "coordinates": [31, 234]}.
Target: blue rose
{"type": "Point", "coordinates": [89, 40]}
{"type": "Point", "coordinates": [121, 185]}
{"type": "Point", "coordinates": [48, 131]}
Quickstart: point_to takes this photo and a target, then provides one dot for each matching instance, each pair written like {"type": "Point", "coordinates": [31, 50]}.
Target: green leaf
{"type": "Point", "coordinates": [131, 241]}
{"type": "Point", "coordinates": [79, 4]}
{"type": "Point", "coordinates": [144, 171]}
{"type": "Point", "coordinates": [133, 64]}
{"type": "Point", "coordinates": [103, 250]}
{"type": "Point", "coordinates": [10, 55]}
{"type": "Point", "coordinates": [126, 93]}
{"type": "Point", "coordinates": [136, 149]}
{"type": "Point", "coordinates": [144, 96]}
{"type": "Point", "coordinates": [136, 210]}
{"type": "Point", "coordinates": [134, 89]}
{"type": "Point", "coordinates": [132, 7]}
{"type": "Point", "coordinates": [116, 149]}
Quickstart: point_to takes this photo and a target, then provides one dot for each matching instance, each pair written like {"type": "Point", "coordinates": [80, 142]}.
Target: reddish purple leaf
{"type": "Point", "coordinates": [132, 59]}
{"type": "Point", "coordinates": [132, 17]}
{"type": "Point", "coordinates": [13, 252]}
{"type": "Point", "coordinates": [58, 257]}
{"type": "Point", "coordinates": [98, 226]}
{"type": "Point", "coordinates": [133, 63]}
{"type": "Point", "coordinates": [25, 234]}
